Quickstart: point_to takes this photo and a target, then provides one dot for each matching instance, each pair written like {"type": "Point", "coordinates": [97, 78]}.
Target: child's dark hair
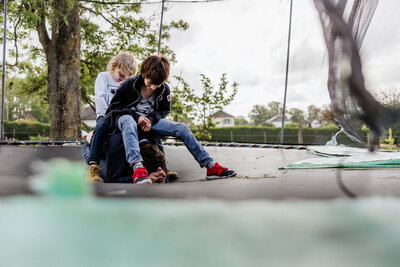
{"type": "Point", "coordinates": [156, 69]}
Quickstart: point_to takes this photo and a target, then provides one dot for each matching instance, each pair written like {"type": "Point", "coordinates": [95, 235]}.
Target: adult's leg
{"type": "Point", "coordinates": [181, 131]}
{"type": "Point", "coordinates": [128, 127]}
{"type": "Point", "coordinates": [118, 169]}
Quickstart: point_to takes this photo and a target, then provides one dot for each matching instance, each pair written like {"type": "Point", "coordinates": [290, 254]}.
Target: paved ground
{"type": "Point", "coordinates": [258, 168]}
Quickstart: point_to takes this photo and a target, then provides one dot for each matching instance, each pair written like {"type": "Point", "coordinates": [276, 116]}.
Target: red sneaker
{"type": "Point", "coordinates": [219, 172]}
{"type": "Point", "coordinates": [140, 176]}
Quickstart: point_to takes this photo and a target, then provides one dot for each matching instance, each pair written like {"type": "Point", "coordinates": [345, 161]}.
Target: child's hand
{"type": "Point", "coordinates": [146, 128]}
{"type": "Point", "coordinates": [144, 123]}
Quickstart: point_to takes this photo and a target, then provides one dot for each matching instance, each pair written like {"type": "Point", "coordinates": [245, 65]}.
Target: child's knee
{"type": "Point", "coordinates": [126, 121]}
{"type": "Point", "coordinates": [182, 129]}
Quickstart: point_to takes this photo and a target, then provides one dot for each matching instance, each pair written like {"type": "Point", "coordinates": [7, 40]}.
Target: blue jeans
{"type": "Point", "coordinates": [98, 139]}
{"type": "Point", "coordinates": [128, 127]}
{"type": "Point", "coordinates": [181, 131]}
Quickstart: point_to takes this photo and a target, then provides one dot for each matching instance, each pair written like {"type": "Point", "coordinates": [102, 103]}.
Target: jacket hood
{"type": "Point", "coordinates": [139, 81]}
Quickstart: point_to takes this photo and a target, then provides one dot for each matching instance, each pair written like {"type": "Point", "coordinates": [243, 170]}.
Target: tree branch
{"type": "Point", "coordinates": [117, 3]}
{"type": "Point", "coordinates": [16, 40]}
{"type": "Point", "coordinates": [101, 15]}
{"type": "Point", "coordinates": [41, 28]}
{"type": "Point", "coordinates": [43, 35]}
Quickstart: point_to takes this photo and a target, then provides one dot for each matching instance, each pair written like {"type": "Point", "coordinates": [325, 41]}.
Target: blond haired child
{"type": "Point", "coordinates": [119, 68]}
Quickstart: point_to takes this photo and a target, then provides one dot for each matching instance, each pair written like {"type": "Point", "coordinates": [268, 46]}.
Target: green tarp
{"type": "Point", "coordinates": [347, 157]}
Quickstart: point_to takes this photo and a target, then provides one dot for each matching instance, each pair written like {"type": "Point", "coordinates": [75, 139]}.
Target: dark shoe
{"type": "Point", "coordinates": [140, 176]}
{"type": "Point", "coordinates": [173, 176]}
{"type": "Point", "coordinates": [93, 174]}
{"type": "Point", "coordinates": [219, 172]}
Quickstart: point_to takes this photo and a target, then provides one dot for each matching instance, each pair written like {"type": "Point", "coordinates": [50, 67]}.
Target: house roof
{"type": "Point", "coordinates": [222, 114]}
{"type": "Point", "coordinates": [88, 114]}
{"type": "Point", "coordinates": [278, 118]}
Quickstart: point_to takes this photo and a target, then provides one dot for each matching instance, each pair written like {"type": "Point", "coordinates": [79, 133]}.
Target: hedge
{"type": "Point", "coordinates": [271, 135]}
{"type": "Point", "coordinates": [24, 130]}
{"type": "Point", "coordinates": [27, 130]}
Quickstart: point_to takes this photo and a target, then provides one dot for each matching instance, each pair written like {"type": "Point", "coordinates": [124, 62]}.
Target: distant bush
{"type": "Point", "coordinates": [26, 130]}
{"type": "Point", "coordinates": [331, 126]}
{"type": "Point", "coordinates": [38, 138]}
{"type": "Point", "coordinates": [267, 124]}
{"type": "Point", "coordinates": [292, 125]}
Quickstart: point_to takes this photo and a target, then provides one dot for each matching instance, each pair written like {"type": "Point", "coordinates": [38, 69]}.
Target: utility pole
{"type": "Point", "coordinates": [160, 32]}
{"type": "Point", "coordinates": [4, 70]}
{"type": "Point", "coordinates": [287, 72]}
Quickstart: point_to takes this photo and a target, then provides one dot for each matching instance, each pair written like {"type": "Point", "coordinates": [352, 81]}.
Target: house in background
{"type": "Point", "coordinates": [223, 119]}
{"type": "Point", "coordinates": [277, 121]}
{"type": "Point", "coordinates": [315, 124]}
{"type": "Point", "coordinates": [88, 116]}
{"type": "Point", "coordinates": [220, 118]}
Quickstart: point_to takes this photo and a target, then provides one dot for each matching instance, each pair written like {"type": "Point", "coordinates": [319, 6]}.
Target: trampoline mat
{"type": "Point", "coordinates": [259, 176]}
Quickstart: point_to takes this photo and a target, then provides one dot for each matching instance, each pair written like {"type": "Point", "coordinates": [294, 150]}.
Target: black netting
{"type": "Point", "coordinates": [352, 105]}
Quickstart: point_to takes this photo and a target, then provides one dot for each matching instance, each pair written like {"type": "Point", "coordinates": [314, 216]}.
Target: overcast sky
{"type": "Point", "coordinates": [247, 39]}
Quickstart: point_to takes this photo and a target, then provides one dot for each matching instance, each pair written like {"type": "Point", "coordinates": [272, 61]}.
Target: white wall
{"type": "Point", "coordinates": [224, 122]}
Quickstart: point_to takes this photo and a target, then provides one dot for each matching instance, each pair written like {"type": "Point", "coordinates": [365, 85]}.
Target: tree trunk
{"type": "Point", "coordinates": [63, 61]}
{"type": "Point", "coordinates": [300, 133]}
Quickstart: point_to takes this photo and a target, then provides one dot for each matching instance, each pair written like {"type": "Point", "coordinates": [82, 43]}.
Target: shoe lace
{"type": "Point", "coordinates": [218, 169]}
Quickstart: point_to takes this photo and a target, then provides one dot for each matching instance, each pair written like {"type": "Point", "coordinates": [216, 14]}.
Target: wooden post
{"type": "Point", "coordinates": [300, 133]}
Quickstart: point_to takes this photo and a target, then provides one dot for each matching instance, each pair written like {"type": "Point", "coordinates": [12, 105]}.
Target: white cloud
{"type": "Point", "coordinates": [248, 41]}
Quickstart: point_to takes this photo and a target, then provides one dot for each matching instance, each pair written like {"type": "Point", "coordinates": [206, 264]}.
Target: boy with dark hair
{"type": "Point", "coordinates": [144, 101]}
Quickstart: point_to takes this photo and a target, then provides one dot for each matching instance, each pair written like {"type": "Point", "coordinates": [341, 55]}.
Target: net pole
{"type": "Point", "coordinates": [287, 72]}
{"type": "Point", "coordinates": [4, 71]}
{"type": "Point", "coordinates": [160, 32]}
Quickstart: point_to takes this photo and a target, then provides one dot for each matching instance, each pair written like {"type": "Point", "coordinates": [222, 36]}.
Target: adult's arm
{"type": "Point", "coordinates": [158, 177]}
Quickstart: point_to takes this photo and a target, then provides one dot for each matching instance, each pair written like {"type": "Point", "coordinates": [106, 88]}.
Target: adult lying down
{"type": "Point", "coordinates": [115, 169]}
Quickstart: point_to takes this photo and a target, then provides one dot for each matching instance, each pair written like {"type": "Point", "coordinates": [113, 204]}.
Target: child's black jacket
{"type": "Point", "coordinates": [128, 95]}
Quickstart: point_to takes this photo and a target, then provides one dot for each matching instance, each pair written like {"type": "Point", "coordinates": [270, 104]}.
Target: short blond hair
{"type": "Point", "coordinates": [125, 61]}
